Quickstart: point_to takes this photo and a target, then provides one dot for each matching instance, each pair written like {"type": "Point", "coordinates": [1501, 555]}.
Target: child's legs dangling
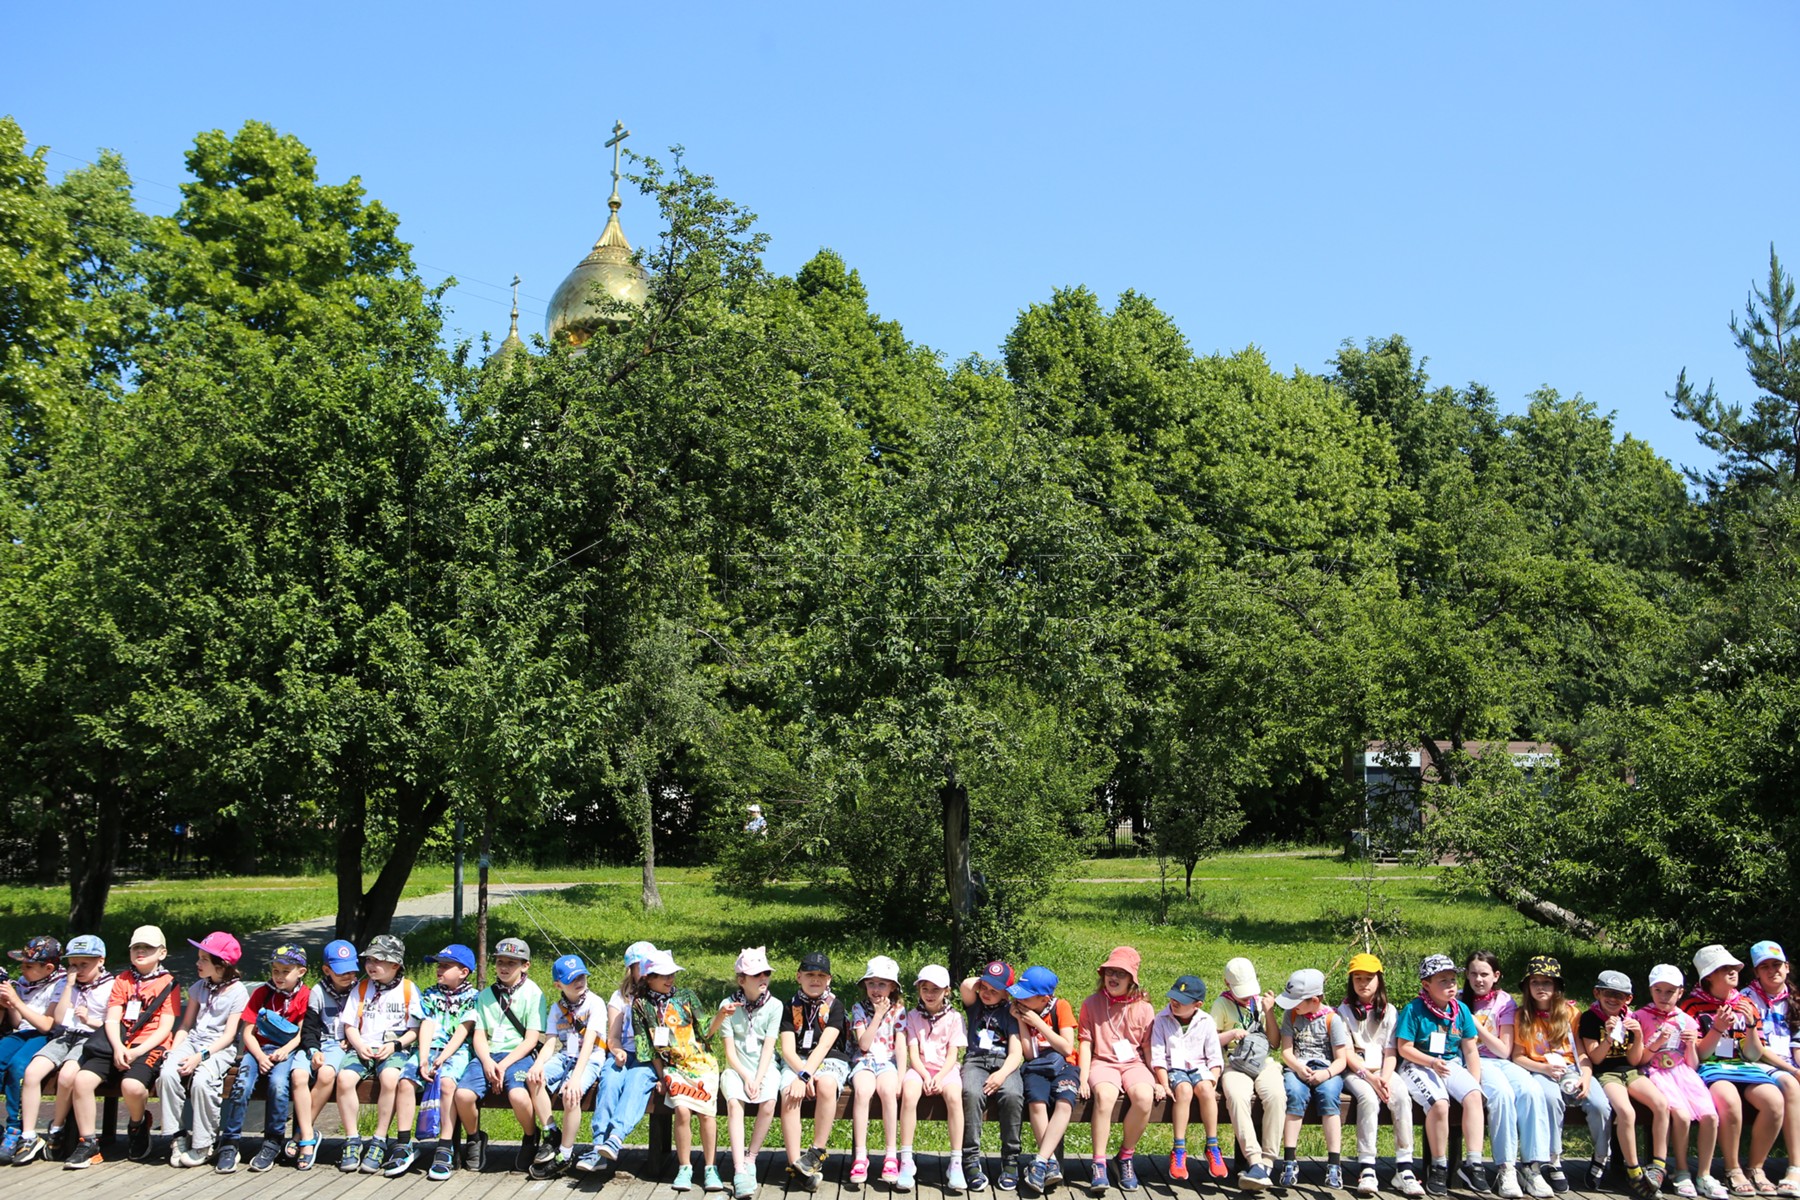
{"type": "Point", "coordinates": [887, 1086]}
{"type": "Point", "coordinates": [862, 1088]}
{"type": "Point", "coordinates": [1766, 1099]}
{"type": "Point", "coordinates": [1656, 1104]}
{"type": "Point", "coordinates": [1730, 1107]}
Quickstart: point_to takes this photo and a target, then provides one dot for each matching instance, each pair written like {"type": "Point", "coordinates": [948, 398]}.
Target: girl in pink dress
{"type": "Point", "coordinates": [1673, 1037]}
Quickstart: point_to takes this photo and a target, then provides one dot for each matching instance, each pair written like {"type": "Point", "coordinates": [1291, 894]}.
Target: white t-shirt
{"type": "Point", "coordinates": [87, 1006]}
{"type": "Point", "coordinates": [590, 1012]}
{"type": "Point", "coordinates": [617, 1003]}
{"type": "Point", "coordinates": [1371, 1037]}
{"type": "Point", "coordinates": [379, 1017]}
{"type": "Point", "coordinates": [42, 996]}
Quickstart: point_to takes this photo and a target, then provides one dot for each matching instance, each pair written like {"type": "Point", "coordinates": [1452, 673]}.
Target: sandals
{"type": "Point", "coordinates": [306, 1153]}
{"type": "Point", "coordinates": [1739, 1183]}
{"type": "Point", "coordinates": [1764, 1185]}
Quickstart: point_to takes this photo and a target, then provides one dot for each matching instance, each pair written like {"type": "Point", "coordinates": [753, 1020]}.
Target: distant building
{"type": "Point", "coordinates": [1393, 779]}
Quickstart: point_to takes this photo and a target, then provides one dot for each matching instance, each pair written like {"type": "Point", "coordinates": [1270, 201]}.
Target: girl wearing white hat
{"type": "Point", "coordinates": [689, 1075]}
{"type": "Point", "coordinates": [878, 1066]}
{"type": "Point", "coordinates": [1730, 1034]}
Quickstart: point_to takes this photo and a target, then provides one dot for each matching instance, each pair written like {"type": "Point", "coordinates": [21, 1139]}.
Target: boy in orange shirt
{"type": "Point", "coordinates": [140, 1025]}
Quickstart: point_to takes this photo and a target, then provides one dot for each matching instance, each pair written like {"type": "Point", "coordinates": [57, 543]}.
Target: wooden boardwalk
{"type": "Point", "coordinates": [118, 1179]}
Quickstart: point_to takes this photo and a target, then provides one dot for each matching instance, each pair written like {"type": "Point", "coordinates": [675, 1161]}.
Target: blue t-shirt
{"type": "Point", "coordinates": [1417, 1024]}
{"type": "Point", "coordinates": [989, 1027]}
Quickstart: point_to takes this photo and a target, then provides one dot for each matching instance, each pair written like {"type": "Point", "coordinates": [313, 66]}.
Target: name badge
{"type": "Point", "coordinates": [132, 1009]}
{"type": "Point", "coordinates": [1437, 1041]}
{"type": "Point", "coordinates": [984, 1040]}
{"type": "Point", "coordinates": [1726, 1048]}
{"type": "Point", "coordinates": [1372, 1059]}
{"type": "Point", "coordinates": [1124, 1049]}
{"type": "Point", "coordinates": [1778, 1042]}
{"type": "Point", "coordinates": [806, 1040]}
{"type": "Point", "coordinates": [659, 1036]}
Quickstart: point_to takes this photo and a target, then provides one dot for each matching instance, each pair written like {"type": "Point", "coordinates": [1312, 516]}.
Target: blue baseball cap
{"type": "Point", "coordinates": [85, 945]}
{"type": "Point", "coordinates": [457, 953]}
{"type": "Point", "coordinates": [568, 969]}
{"type": "Point", "coordinates": [1035, 982]}
{"type": "Point", "coordinates": [637, 952]}
{"type": "Point", "coordinates": [341, 957]}
{"type": "Point", "coordinates": [1189, 989]}
{"type": "Point", "coordinates": [1764, 951]}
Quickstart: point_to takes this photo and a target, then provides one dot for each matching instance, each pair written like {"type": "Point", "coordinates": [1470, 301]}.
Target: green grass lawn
{"type": "Point", "coordinates": [1284, 910]}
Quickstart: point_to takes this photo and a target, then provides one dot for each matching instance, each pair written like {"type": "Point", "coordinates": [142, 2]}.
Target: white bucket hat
{"type": "Point", "coordinates": [883, 967]}
{"type": "Point", "coordinates": [1712, 958]}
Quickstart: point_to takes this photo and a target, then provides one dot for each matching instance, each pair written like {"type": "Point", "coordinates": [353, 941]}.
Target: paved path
{"type": "Point", "coordinates": [409, 915]}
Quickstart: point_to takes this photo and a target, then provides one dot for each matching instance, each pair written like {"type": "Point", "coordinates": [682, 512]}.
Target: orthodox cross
{"type": "Point", "coordinates": [620, 133]}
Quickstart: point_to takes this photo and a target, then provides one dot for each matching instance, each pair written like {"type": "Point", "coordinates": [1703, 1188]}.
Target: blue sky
{"type": "Point", "coordinates": [1572, 195]}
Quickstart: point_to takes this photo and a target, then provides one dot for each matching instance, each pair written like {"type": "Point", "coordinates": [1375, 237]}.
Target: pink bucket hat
{"type": "Point", "coordinates": [220, 945]}
{"type": "Point", "coordinates": [1124, 958]}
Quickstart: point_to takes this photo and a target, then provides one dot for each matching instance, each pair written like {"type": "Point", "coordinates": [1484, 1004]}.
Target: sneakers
{"type": "Point", "coordinates": [1215, 1161]}
{"type": "Point", "coordinates": [1178, 1164]}
{"type": "Point", "coordinates": [743, 1184]}
{"type": "Point", "coordinates": [1334, 1177]}
{"type": "Point", "coordinates": [954, 1182]}
{"type": "Point", "coordinates": [399, 1163]}
{"type": "Point", "coordinates": [9, 1146]}
{"type": "Point", "coordinates": [810, 1169]}
{"type": "Point", "coordinates": [1640, 1183]}
{"type": "Point", "coordinates": [909, 1174]}
{"type": "Point", "coordinates": [1128, 1180]}
{"type": "Point", "coordinates": [227, 1162]}
{"type": "Point", "coordinates": [590, 1162]}
{"type": "Point", "coordinates": [1031, 1179]}
{"type": "Point", "coordinates": [890, 1170]}
{"type": "Point", "coordinates": [30, 1147]}
{"type": "Point", "coordinates": [137, 1140]}
{"type": "Point", "coordinates": [1506, 1185]}
{"type": "Point", "coordinates": [1437, 1180]}
{"type": "Point", "coordinates": [186, 1156]}
{"type": "Point", "coordinates": [684, 1178]}
{"type": "Point", "coordinates": [1367, 1182]}
{"type": "Point", "coordinates": [1290, 1174]}
{"type": "Point", "coordinates": [609, 1149]}
{"type": "Point", "coordinates": [711, 1181]}
{"type": "Point", "coordinates": [62, 1142]}
{"type": "Point", "coordinates": [1097, 1183]}
{"type": "Point", "coordinates": [1474, 1176]}
{"type": "Point", "coordinates": [443, 1162]}
{"type": "Point", "coordinates": [1053, 1175]}
{"type": "Point", "coordinates": [1254, 1179]}
{"type": "Point", "coordinates": [474, 1155]}
{"type": "Point", "coordinates": [1559, 1182]}
{"type": "Point", "coordinates": [85, 1154]}
{"type": "Point", "coordinates": [1405, 1182]}
{"type": "Point", "coordinates": [266, 1156]}
{"type": "Point", "coordinates": [352, 1155]}
{"type": "Point", "coordinates": [1596, 1175]}
{"type": "Point", "coordinates": [374, 1156]}
{"type": "Point", "coordinates": [543, 1161]}
{"type": "Point", "coordinates": [1531, 1176]}
{"type": "Point", "coordinates": [527, 1152]}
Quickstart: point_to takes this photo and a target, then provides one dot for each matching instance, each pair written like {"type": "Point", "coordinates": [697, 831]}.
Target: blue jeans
{"type": "Point", "coordinates": [1327, 1094]}
{"type": "Point", "coordinates": [16, 1050]}
{"type": "Point", "coordinates": [624, 1097]}
{"type": "Point", "coordinates": [280, 1104]}
{"type": "Point", "coordinates": [1599, 1115]}
{"type": "Point", "coordinates": [1516, 1129]}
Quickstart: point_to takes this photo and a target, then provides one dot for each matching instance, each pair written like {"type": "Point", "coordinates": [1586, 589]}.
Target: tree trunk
{"type": "Point", "coordinates": [647, 843]}
{"type": "Point", "coordinates": [955, 801]}
{"type": "Point", "coordinates": [362, 915]}
{"type": "Point", "coordinates": [352, 826]}
{"type": "Point", "coordinates": [92, 860]}
{"type": "Point", "coordinates": [1190, 879]}
{"type": "Point", "coordinates": [481, 899]}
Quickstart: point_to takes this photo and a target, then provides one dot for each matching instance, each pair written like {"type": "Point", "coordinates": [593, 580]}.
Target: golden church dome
{"type": "Point", "coordinates": [606, 285]}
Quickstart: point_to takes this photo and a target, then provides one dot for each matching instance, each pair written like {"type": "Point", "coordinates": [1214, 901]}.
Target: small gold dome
{"type": "Point", "coordinates": [513, 347]}
{"type": "Point", "coordinates": [576, 309]}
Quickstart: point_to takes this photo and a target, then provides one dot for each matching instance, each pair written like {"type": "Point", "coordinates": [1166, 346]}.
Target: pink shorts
{"type": "Point", "coordinates": [1123, 1076]}
{"type": "Point", "coordinates": [1685, 1093]}
{"type": "Point", "coordinates": [952, 1081]}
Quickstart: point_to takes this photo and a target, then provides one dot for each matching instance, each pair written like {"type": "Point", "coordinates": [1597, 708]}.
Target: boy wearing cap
{"type": "Point", "coordinates": [1315, 1050]}
{"type": "Point", "coordinates": [752, 1022]}
{"type": "Point", "coordinates": [1187, 1061]}
{"type": "Point", "coordinates": [1434, 1031]}
{"type": "Point", "coordinates": [934, 1032]}
{"type": "Point", "coordinates": [140, 1024]}
{"type": "Point", "coordinates": [30, 1004]}
{"type": "Point", "coordinates": [507, 1021]}
{"type": "Point", "coordinates": [1613, 1040]}
{"type": "Point", "coordinates": [271, 1024]}
{"type": "Point", "coordinates": [991, 1068]}
{"type": "Point", "coordinates": [379, 1026]}
{"type": "Point", "coordinates": [79, 1012]}
{"type": "Point", "coordinates": [440, 1011]}
{"type": "Point", "coordinates": [568, 1064]}
{"type": "Point", "coordinates": [191, 1085]}
{"type": "Point", "coordinates": [1769, 993]}
{"type": "Point", "coordinates": [815, 1063]}
{"type": "Point", "coordinates": [322, 1035]}
{"type": "Point", "coordinates": [1050, 1040]}
{"type": "Point", "coordinates": [1248, 1032]}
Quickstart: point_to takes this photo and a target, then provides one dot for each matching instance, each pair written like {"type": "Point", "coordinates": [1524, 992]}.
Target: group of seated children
{"type": "Point", "coordinates": [1695, 1064]}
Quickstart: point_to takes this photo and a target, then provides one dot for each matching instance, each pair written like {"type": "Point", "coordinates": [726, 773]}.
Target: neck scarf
{"type": "Point", "coordinates": [505, 991]}
{"type": "Point", "coordinates": [77, 1005]}
{"type": "Point", "coordinates": [1769, 1001]}
{"type": "Point", "coordinates": [330, 990]}
{"type": "Point", "coordinates": [1702, 1003]}
{"type": "Point", "coordinates": [572, 1016]}
{"type": "Point", "coordinates": [1447, 1015]}
{"type": "Point", "coordinates": [748, 1005]}
{"type": "Point", "coordinates": [807, 1009]}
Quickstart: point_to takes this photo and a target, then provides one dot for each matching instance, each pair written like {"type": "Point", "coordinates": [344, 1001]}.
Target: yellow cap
{"type": "Point", "coordinates": [1365, 962]}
